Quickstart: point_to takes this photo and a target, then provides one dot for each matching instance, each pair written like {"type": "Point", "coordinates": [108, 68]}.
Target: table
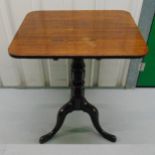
{"type": "Point", "coordinates": [78, 35]}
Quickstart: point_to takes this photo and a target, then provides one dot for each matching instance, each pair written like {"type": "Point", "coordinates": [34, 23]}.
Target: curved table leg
{"type": "Point", "coordinates": [67, 108]}
{"type": "Point", "coordinates": [93, 113]}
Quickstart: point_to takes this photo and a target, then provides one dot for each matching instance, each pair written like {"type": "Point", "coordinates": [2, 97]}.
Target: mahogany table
{"type": "Point", "coordinates": [78, 35]}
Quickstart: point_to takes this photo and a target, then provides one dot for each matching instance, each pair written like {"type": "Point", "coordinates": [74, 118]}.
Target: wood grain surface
{"type": "Point", "coordinates": [78, 34]}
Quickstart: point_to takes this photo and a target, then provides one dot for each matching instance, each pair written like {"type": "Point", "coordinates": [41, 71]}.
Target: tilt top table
{"type": "Point", "coordinates": [78, 35]}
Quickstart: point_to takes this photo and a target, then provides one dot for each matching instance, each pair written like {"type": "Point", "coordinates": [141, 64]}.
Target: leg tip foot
{"type": "Point", "coordinates": [45, 138]}
{"type": "Point", "coordinates": [111, 138]}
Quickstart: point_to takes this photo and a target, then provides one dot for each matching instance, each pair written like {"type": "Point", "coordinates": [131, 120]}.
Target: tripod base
{"type": "Point", "coordinates": [69, 107]}
{"type": "Point", "coordinates": [77, 102]}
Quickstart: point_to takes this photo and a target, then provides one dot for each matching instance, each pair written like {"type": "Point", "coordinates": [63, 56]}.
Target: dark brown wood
{"type": "Point", "coordinates": [77, 102]}
{"type": "Point", "coordinates": [78, 34]}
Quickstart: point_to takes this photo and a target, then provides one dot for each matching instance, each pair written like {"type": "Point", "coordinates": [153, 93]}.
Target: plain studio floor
{"type": "Point", "coordinates": [77, 149]}
{"type": "Point", "coordinates": [27, 114]}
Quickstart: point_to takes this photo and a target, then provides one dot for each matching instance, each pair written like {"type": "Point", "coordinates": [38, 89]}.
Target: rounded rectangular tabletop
{"type": "Point", "coordinates": [78, 34]}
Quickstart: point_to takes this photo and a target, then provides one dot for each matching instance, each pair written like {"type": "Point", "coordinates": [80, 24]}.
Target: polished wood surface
{"type": "Point", "coordinates": [78, 34]}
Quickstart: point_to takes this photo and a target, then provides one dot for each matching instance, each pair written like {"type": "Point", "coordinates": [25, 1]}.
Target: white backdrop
{"type": "Point", "coordinates": [41, 73]}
